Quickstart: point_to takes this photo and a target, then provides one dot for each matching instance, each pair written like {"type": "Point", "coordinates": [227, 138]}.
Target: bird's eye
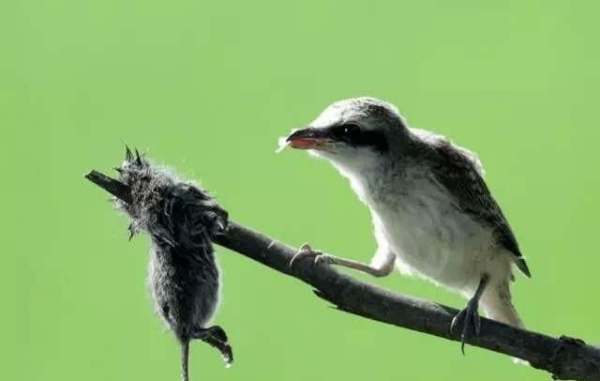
{"type": "Point", "coordinates": [350, 129]}
{"type": "Point", "coordinates": [346, 132]}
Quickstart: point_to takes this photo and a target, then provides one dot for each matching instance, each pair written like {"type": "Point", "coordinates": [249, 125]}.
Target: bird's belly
{"type": "Point", "coordinates": [440, 243]}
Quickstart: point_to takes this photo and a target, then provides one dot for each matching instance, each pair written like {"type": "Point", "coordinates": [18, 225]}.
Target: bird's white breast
{"type": "Point", "coordinates": [429, 235]}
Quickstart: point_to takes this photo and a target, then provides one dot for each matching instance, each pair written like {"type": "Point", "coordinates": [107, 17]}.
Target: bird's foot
{"type": "Point", "coordinates": [306, 251]}
{"type": "Point", "coordinates": [471, 323]}
{"type": "Point", "coordinates": [216, 337]}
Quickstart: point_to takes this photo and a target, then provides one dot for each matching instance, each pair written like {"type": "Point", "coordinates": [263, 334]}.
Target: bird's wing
{"type": "Point", "coordinates": [460, 172]}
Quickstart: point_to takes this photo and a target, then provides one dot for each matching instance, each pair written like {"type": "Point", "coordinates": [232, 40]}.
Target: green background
{"type": "Point", "coordinates": [208, 87]}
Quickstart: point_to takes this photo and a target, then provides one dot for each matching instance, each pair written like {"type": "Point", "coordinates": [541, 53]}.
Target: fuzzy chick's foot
{"type": "Point", "coordinates": [306, 251]}
{"type": "Point", "coordinates": [216, 337]}
{"type": "Point", "coordinates": [470, 320]}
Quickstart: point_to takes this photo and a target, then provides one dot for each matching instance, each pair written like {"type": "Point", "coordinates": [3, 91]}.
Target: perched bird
{"type": "Point", "coordinates": [181, 220]}
{"type": "Point", "coordinates": [432, 212]}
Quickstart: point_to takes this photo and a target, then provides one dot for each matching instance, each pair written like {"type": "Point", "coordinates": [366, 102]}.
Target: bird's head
{"type": "Point", "coordinates": [354, 134]}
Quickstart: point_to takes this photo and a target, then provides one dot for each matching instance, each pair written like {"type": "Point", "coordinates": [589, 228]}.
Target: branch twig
{"type": "Point", "coordinates": [565, 358]}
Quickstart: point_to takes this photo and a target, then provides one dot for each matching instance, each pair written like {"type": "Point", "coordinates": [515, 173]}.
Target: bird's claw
{"type": "Point", "coordinates": [306, 251]}
{"type": "Point", "coordinates": [469, 317]}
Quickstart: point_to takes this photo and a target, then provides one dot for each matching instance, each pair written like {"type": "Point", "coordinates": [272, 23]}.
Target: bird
{"type": "Point", "coordinates": [433, 215]}
{"type": "Point", "coordinates": [181, 220]}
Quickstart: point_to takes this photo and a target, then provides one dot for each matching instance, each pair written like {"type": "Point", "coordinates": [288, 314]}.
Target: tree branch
{"type": "Point", "coordinates": [565, 358]}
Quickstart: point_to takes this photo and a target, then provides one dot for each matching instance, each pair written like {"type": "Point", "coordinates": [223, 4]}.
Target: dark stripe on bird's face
{"type": "Point", "coordinates": [356, 136]}
{"type": "Point", "coordinates": [349, 134]}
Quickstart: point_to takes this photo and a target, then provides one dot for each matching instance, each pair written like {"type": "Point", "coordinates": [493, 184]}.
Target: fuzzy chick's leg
{"type": "Point", "coordinates": [378, 268]}
{"type": "Point", "coordinates": [470, 316]}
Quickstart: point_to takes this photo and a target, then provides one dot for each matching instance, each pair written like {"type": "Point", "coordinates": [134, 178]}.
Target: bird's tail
{"type": "Point", "coordinates": [497, 305]}
{"type": "Point", "coordinates": [185, 355]}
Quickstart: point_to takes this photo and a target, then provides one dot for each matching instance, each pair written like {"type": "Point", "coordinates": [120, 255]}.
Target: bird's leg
{"type": "Point", "coordinates": [469, 316]}
{"type": "Point", "coordinates": [216, 337]}
{"type": "Point", "coordinates": [380, 270]}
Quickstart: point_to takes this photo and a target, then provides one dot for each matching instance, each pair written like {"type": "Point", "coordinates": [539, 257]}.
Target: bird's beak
{"type": "Point", "coordinates": [112, 186]}
{"type": "Point", "coordinates": [309, 138]}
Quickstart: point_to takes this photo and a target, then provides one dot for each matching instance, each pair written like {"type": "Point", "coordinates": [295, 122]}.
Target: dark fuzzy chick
{"type": "Point", "coordinates": [181, 220]}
